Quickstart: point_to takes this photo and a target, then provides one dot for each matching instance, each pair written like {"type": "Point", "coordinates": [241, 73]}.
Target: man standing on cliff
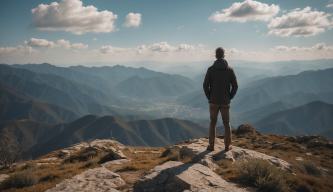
{"type": "Point", "coordinates": [220, 86]}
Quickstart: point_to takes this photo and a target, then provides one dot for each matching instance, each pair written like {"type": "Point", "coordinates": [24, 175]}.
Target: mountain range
{"type": "Point", "coordinates": [45, 107]}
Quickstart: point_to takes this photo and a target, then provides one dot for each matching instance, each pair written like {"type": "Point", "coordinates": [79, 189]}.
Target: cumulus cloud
{"type": "Point", "coordinates": [158, 47]}
{"type": "Point", "coordinates": [33, 42]}
{"type": "Point", "coordinates": [72, 16]}
{"type": "Point", "coordinates": [247, 10]}
{"type": "Point", "coordinates": [300, 22]}
{"type": "Point", "coordinates": [44, 43]}
{"type": "Point", "coordinates": [133, 20]}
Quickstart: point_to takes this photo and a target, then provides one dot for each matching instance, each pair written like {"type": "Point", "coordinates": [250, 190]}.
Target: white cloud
{"type": "Point", "coordinates": [107, 49]}
{"type": "Point", "coordinates": [283, 53]}
{"type": "Point", "coordinates": [62, 43]}
{"type": "Point", "coordinates": [329, 5]}
{"type": "Point", "coordinates": [160, 47]}
{"type": "Point", "coordinates": [160, 52]}
{"type": "Point", "coordinates": [133, 20]}
{"type": "Point", "coordinates": [300, 22]}
{"type": "Point", "coordinates": [6, 50]}
{"type": "Point", "coordinates": [79, 46]}
{"type": "Point", "coordinates": [33, 42]}
{"type": "Point", "coordinates": [316, 47]}
{"type": "Point", "coordinates": [165, 47]}
{"type": "Point", "coordinates": [247, 10]}
{"type": "Point", "coordinates": [68, 45]}
{"type": "Point", "coordinates": [185, 47]}
{"type": "Point", "coordinates": [72, 16]}
{"type": "Point", "coordinates": [21, 49]}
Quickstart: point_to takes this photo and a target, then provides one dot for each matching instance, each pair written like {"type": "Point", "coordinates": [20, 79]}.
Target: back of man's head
{"type": "Point", "coordinates": [219, 53]}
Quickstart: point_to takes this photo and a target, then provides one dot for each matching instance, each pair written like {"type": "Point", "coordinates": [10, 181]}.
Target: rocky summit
{"type": "Point", "coordinates": [256, 162]}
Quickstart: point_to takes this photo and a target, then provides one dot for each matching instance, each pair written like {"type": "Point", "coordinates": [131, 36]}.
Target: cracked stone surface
{"type": "Point", "coordinates": [176, 176]}
{"type": "Point", "coordinates": [98, 180]}
{"type": "Point", "coordinates": [197, 149]}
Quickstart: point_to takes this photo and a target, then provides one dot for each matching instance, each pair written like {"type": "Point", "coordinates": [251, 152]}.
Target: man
{"type": "Point", "coordinates": [220, 86]}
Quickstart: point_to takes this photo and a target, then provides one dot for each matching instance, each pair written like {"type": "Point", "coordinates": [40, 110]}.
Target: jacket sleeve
{"type": "Point", "coordinates": [206, 85]}
{"type": "Point", "coordinates": [234, 85]}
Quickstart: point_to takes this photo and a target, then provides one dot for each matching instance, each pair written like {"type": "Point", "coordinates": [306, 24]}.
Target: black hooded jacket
{"type": "Point", "coordinates": [220, 84]}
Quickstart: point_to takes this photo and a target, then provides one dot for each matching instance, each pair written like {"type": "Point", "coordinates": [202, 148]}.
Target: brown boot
{"type": "Point", "coordinates": [227, 148]}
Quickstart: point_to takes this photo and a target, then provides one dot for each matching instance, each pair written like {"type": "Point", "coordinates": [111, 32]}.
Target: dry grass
{"type": "Point", "coordinates": [142, 159]}
{"type": "Point", "coordinates": [262, 175]}
{"type": "Point", "coordinates": [308, 176]}
{"type": "Point", "coordinates": [21, 179]}
{"type": "Point", "coordinates": [47, 176]}
{"type": "Point", "coordinates": [310, 168]}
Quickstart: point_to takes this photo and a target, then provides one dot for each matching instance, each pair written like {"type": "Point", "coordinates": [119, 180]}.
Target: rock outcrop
{"type": "Point", "coordinates": [196, 149]}
{"type": "Point", "coordinates": [98, 144]}
{"type": "Point", "coordinates": [93, 180]}
{"type": "Point", "coordinates": [111, 148]}
{"type": "Point", "coordinates": [176, 176]}
{"type": "Point", "coordinates": [198, 174]}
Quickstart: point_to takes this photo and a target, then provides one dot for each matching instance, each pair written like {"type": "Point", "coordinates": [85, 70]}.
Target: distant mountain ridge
{"type": "Point", "coordinates": [55, 90]}
{"type": "Point", "coordinates": [118, 80]}
{"type": "Point", "coordinates": [283, 88]}
{"type": "Point", "coordinates": [15, 105]}
{"type": "Point", "coordinates": [36, 138]}
{"type": "Point", "coordinates": [315, 118]}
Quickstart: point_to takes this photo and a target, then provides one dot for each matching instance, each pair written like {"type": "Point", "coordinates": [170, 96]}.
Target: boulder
{"type": "Point", "coordinates": [245, 129]}
{"type": "Point", "coordinates": [176, 176]}
{"type": "Point", "coordinates": [97, 180]}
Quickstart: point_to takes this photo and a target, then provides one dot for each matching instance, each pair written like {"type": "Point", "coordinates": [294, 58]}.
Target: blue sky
{"type": "Point", "coordinates": [164, 27]}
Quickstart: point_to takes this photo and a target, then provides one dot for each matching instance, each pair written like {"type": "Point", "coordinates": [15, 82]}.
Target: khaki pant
{"type": "Point", "coordinates": [214, 111]}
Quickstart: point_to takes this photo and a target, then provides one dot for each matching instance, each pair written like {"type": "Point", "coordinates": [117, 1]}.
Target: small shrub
{"type": "Point", "coordinates": [110, 156]}
{"type": "Point", "coordinates": [261, 174]}
{"type": "Point", "coordinates": [84, 155]}
{"type": "Point", "coordinates": [170, 155]}
{"type": "Point", "coordinates": [49, 178]}
{"type": "Point", "coordinates": [91, 163]}
{"type": "Point", "coordinates": [19, 180]}
{"type": "Point", "coordinates": [310, 168]}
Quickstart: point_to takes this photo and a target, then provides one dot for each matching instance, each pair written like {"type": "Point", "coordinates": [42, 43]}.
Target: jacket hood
{"type": "Point", "coordinates": [220, 64]}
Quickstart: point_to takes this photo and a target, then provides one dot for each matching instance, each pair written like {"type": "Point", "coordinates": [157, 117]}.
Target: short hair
{"type": "Point", "coordinates": [219, 53]}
